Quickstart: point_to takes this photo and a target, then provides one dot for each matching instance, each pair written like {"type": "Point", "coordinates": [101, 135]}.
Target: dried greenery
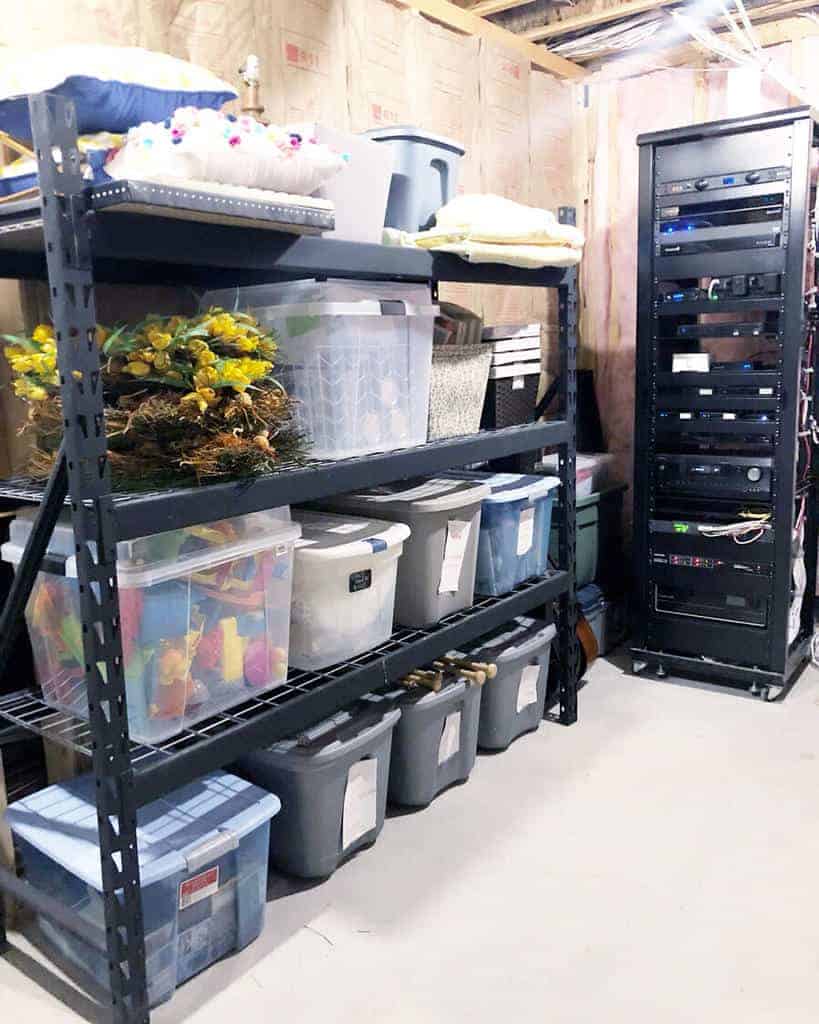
{"type": "Point", "coordinates": [186, 399]}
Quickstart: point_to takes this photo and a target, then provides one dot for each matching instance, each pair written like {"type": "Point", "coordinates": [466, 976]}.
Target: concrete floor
{"type": "Point", "coordinates": [656, 864]}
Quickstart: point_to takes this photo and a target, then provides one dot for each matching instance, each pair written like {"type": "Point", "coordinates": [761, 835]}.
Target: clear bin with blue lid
{"type": "Point", "coordinates": [343, 587]}
{"type": "Point", "coordinates": [203, 872]}
{"type": "Point", "coordinates": [515, 523]}
{"type": "Point", "coordinates": [204, 618]}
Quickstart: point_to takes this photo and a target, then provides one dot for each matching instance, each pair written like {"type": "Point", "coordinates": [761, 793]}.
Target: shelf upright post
{"type": "Point", "coordinates": [71, 286]}
{"type": "Point", "coordinates": [567, 603]}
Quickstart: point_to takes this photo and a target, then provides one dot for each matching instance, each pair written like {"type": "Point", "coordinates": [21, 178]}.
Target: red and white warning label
{"type": "Point", "coordinates": [192, 890]}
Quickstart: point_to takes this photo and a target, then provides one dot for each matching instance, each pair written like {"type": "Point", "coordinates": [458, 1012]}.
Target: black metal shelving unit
{"type": "Point", "coordinates": [74, 239]}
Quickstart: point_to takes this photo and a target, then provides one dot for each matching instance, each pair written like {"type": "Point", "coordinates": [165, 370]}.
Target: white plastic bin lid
{"type": "Point", "coordinates": [511, 486]}
{"type": "Point", "coordinates": [585, 464]}
{"type": "Point", "coordinates": [326, 536]}
{"type": "Point", "coordinates": [202, 820]}
{"type": "Point", "coordinates": [411, 133]}
{"type": "Point", "coordinates": [359, 307]}
{"type": "Point", "coordinates": [259, 297]}
{"type": "Point", "coordinates": [164, 556]}
{"type": "Point", "coordinates": [510, 641]}
{"type": "Point", "coordinates": [438, 494]}
{"type": "Point", "coordinates": [514, 370]}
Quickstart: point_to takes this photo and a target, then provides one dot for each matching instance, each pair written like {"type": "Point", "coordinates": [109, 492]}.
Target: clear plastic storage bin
{"type": "Point", "coordinates": [205, 618]}
{"type": "Point", "coordinates": [436, 573]}
{"type": "Point", "coordinates": [515, 523]}
{"type": "Point", "coordinates": [332, 781]}
{"type": "Point", "coordinates": [358, 367]}
{"type": "Point", "coordinates": [203, 871]}
{"type": "Point", "coordinates": [343, 587]}
{"type": "Point", "coordinates": [513, 702]}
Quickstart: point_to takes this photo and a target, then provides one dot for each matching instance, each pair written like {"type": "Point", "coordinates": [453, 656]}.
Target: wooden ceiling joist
{"type": "Point", "coordinates": [473, 25]}
{"type": "Point", "coordinates": [581, 22]}
{"type": "Point", "coordinates": [485, 7]}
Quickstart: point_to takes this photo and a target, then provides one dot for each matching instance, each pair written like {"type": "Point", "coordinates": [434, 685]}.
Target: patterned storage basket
{"type": "Point", "coordinates": [457, 389]}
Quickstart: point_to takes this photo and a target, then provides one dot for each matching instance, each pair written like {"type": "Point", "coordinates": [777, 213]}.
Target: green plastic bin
{"type": "Point", "coordinates": [598, 519]}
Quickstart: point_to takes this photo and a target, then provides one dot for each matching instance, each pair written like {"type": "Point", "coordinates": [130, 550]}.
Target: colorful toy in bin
{"type": "Point", "coordinates": [204, 619]}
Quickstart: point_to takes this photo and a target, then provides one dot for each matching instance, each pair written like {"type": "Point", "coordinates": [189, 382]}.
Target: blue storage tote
{"type": "Point", "coordinates": [203, 870]}
{"type": "Point", "coordinates": [515, 523]}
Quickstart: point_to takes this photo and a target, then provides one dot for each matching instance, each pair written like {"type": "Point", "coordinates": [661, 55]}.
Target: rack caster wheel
{"type": "Point", "coordinates": [637, 667]}
{"type": "Point", "coordinates": [661, 672]}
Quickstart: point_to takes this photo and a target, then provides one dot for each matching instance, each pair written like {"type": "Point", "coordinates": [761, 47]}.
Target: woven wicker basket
{"type": "Point", "coordinates": [457, 389]}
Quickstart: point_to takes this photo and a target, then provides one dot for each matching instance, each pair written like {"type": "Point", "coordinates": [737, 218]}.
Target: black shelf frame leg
{"type": "Point", "coordinates": [567, 602]}
{"type": "Point", "coordinates": [71, 284]}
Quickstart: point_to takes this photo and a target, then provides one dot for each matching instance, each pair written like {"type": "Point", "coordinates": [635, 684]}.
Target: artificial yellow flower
{"type": "Point", "coordinates": [245, 343]}
{"type": "Point", "coordinates": [162, 361]}
{"type": "Point", "coordinates": [138, 368]}
{"type": "Point", "coordinates": [22, 364]}
{"type": "Point", "coordinates": [49, 347]}
{"type": "Point", "coordinates": [192, 398]}
{"type": "Point", "coordinates": [205, 377]}
{"type": "Point", "coordinates": [206, 358]}
{"type": "Point", "coordinates": [101, 335]}
{"type": "Point", "coordinates": [196, 345]}
{"type": "Point", "coordinates": [25, 389]}
{"type": "Point", "coordinates": [43, 332]}
{"type": "Point", "coordinates": [159, 340]}
{"type": "Point", "coordinates": [223, 326]}
{"type": "Point", "coordinates": [174, 323]}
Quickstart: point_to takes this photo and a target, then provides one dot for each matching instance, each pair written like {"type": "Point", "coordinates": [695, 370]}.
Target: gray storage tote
{"type": "Point", "coordinates": [436, 572]}
{"type": "Point", "coordinates": [512, 703]}
{"type": "Point", "coordinates": [333, 793]}
{"type": "Point", "coordinates": [435, 743]}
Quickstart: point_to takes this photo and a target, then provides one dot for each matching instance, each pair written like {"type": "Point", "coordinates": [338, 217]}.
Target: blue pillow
{"type": "Point", "coordinates": [113, 87]}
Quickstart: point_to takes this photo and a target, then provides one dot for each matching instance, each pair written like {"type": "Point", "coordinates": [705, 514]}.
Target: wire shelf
{"type": "Point", "coordinates": [313, 692]}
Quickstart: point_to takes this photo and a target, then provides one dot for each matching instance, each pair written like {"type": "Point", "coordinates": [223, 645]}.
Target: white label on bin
{"type": "Point", "coordinates": [450, 737]}
{"type": "Point", "coordinates": [527, 687]}
{"type": "Point", "coordinates": [360, 809]}
{"type": "Point", "coordinates": [766, 391]}
{"type": "Point", "coordinates": [192, 890]}
{"type": "Point", "coordinates": [526, 530]}
{"type": "Point", "coordinates": [348, 527]}
{"type": "Point", "coordinates": [518, 383]}
{"type": "Point", "coordinates": [457, 537]}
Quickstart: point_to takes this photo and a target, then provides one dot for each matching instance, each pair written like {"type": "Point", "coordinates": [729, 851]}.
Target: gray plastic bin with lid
{"type": "Point", "coordinates": [424, 175]}
{"type": "Point", "coordinates": [436, 572]}
{"type": "Point", "coordinates": [435, 743]}
{"type": "Point", "coordinates": [333, 793]}
{"type": "Point", "coordinates": [512, 703]}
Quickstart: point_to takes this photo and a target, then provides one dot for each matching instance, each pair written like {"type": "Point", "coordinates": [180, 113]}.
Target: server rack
{"type": "Point", "coordinates": [725, 272]}
{"type": "Point", "coordinates": [82, 236]}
